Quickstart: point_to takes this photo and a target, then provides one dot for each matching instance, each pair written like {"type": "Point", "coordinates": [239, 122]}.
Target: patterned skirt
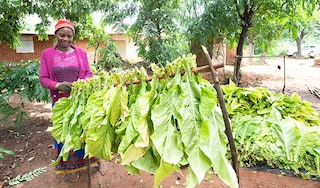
{"type": "Point", "coordinates": [76, 161]}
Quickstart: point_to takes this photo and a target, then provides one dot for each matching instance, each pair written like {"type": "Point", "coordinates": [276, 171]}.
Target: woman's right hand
{"type": "Point", "coordinates": [64, 87]}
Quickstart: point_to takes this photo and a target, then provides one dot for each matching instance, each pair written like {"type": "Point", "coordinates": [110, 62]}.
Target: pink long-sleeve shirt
{"type": "Point", "coordinates": [47, 77]}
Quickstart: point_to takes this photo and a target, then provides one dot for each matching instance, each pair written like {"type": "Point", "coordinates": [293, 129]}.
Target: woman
{"type": "Point", "coordinates": [59, 67]}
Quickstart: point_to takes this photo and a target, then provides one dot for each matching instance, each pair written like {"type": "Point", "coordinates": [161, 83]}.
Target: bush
{"type": "Point", "coordinates": [22, 79]}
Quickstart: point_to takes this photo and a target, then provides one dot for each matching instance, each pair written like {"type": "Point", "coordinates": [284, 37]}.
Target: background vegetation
{"type": "Point", "coordinates": [164, 30]}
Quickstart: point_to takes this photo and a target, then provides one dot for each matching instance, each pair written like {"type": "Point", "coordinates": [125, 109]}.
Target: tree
{"type": "Point", "coordinates": [235, 19]}
{"type": "Point", "coordinates": [250, 11]}
{"type": "Point", "coordinates": [249, 14]}
{"type": "Point", "coordinates": [154, 28]}
{"type": "Point", "coordinates": [105, 50]}
{"type": "Point", "coordinates": [302, 22]}
{"type": "Point", "coordinates": [14, 12]}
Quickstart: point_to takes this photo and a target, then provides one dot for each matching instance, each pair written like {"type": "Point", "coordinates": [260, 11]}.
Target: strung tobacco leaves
{"type": "Point", "coordinates": [160, 125]}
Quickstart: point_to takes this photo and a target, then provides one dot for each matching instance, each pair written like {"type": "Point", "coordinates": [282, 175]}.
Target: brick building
{"type": "Point", "coordinates": [32, 48]}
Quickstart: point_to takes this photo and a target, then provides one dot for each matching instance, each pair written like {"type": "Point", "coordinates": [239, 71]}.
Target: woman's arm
{"type": "Point", "coordinates": [88, 73]}
{"type": "Point", "coordinates": [45, 79]}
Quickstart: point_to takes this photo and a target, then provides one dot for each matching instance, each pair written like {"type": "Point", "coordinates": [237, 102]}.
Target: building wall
{"type": "Point", "coordinates": [125, 48]}
{"type": "Point", "coordinates": [9, 54]}
{"type": "Point", "coordinates": [230, 56]}
{"type": "Point", "coordinates": [132, 52]}
{"type": "Point", "coordinates": [84, 44]}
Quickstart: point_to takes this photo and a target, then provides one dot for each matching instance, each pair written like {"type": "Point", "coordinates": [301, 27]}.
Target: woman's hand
{"type": "Point", "coordinates": [64, 87]}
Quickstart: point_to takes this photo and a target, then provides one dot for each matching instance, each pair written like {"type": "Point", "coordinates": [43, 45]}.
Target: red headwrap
{"type": "Point", "coordinates": [63, 23]}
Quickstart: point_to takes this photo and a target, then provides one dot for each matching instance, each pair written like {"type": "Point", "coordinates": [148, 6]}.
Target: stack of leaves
{"type": "Point", "coordinates": [260, 101]}
{"type": "Point", "coordinates": [274, 129]}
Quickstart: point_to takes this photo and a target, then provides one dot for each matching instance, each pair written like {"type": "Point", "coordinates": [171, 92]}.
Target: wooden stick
{"type": "Point", "coordinates": [88, 173]}
{"type": "Point", "coordinates": [194, 70]}
{"type": "Point", "coordinates": [228, 130]}
{"type": "Point", "coordinates": [284, 74]}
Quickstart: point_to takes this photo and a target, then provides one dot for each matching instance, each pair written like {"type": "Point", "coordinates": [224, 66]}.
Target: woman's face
{"type": "Point", "coordinates": [65, 37]}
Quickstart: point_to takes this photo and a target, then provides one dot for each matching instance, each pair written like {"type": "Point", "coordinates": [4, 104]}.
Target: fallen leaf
{"type": "Point", "coordinates": [30, 159]}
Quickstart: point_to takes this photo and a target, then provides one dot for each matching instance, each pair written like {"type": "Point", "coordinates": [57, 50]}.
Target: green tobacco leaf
{"type": "Point", "coordinates": [213, 139]}
{"type": "Point", "coordinates": [118, 104]}
{"type": "Point", "coordinates": [247, 129]}
{"type": "Point", "coordinates": [164, 171]}
{"type": "Point", "coordinates": [148, 163]}
{"type": "Point", "coordinates": [133, 154]}
{"type": "Point", "coordinates": [99, 143]}
{"type": "Point", "coordinates": [142, 125]}
{"type": "Point", "coordinates": [166, 137]}
{"type": "Point", "coordinates": [59, 108]}
{"type": "Point", "coordinates": [286, 135]}
{"type": "Point", "coordinates": [57, 117]}
{"type": "Point", "coordinates": [189, 125]}
{"type": "Point", "coordinates": [132, 138]}
{"type": "Point", "coordinates": [66, 148]}
{"type": "Point", "coordinates": [130, 133]}
{"type": "Point", "coordinates": [159, 125]}
{"type": "Point", "coordinates": [100, 135]}
{"type": "Point", "coordinates": [308, 139]}
{"type": "Point", "coordinates": [141, 144]}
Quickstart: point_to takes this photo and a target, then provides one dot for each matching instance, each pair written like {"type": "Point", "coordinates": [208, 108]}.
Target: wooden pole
{"type": "Point", "coordinates": [194, 70]}
{"type": "Point", "coordinates": [284, 74]}
{"type": "Point", "coordinates": [228, 130]}
{"type": "Point", "coordinates": [88, 173]}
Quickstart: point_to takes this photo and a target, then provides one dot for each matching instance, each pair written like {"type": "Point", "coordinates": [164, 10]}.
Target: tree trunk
{"type": "Point", "coordinates": [246, 23]}
{"type": "Point", "coordinates": [236, 72]}
{"type": "Point", "coordinates": [200, 55]}
{"type": "Point", "coordinates": [251, 49]}
{"type": "Point", "coordinates": [263, 58]}
{"type": "Point", "coordinates": [299, 42]}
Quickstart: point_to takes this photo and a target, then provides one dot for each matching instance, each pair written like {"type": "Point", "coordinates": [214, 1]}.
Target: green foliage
{"type": "Point", "coordinates": [27, 176]}
{"type": "Point", "coordinates": [160, 125]}
{"type": "Point", "coordinates": [155, 126]}
{"type": "Point", "coordinates": [106, 56]}
{"type": "Point", "coordinates": [154, 28]}
{"type": "Point", "coordinates": [2, 150]}
{"type": "Point", "coordinates": [21, 79]}
{"type": "Point", "coordinates": [220, 23]}
{"type": "Point", "coordinates": [12, 13]}
{"type": "Point", "coordinates": [261, 101]}
{"type": "Point", "coordinates": [156, 32]}
{"type": "Point", "coordinates": [274, 129]}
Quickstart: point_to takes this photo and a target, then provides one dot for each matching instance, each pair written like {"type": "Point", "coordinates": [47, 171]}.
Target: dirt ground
{"type": "Point", "coordinates": [33, 146]}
